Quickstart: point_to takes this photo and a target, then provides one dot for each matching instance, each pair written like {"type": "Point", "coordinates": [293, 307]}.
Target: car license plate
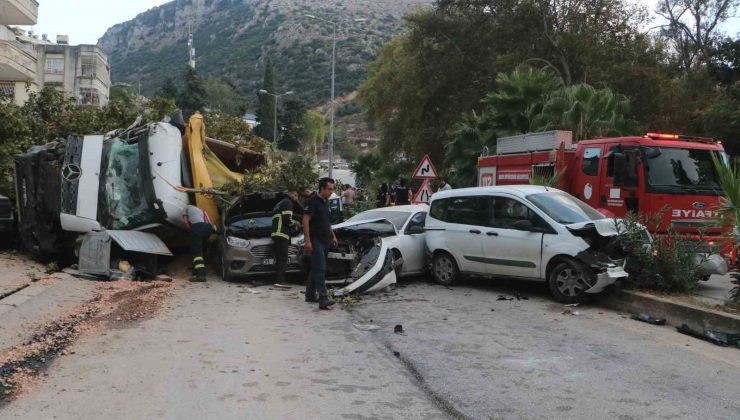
{"type": "Point", "coordinates": [268, 261]}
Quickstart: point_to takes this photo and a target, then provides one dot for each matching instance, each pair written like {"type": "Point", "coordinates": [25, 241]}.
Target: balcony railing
{"type": "Point", "coordinates": [19, 12]}
{"type": "Point", "coordinates": [17, 64]}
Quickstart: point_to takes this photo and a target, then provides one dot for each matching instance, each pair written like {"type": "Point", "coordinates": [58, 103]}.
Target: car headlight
{"type": "Point", "coordinates": [237, 242]}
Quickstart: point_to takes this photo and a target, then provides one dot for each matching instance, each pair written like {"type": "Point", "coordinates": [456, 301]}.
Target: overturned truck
{"type": "Point", "coordinates": [132, 180]}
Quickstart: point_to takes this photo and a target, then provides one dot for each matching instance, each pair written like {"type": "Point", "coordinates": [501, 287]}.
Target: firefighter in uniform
{"type": "Point", "coordinates": [200, 229]}
{"type": "Point", "coordinates": [282, 221]}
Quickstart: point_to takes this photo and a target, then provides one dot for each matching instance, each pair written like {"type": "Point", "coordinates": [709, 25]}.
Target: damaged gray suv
{"type": "Point", "coordinates": [524, 231]}
{"type": "Point", "coordinates": [245, 248]}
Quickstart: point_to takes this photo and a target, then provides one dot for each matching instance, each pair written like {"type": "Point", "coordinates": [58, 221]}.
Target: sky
{"type": "Point", "coordinates": [85, 21]}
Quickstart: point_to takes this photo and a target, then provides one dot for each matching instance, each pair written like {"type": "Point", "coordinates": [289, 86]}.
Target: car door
{"type": "Point", "coordinates": [511, 252]}
{"type": "Point", "coordinates": [466, 219]}
{"type": "Point", "coordinates": [587, 185]}
{"type": "Point", "coordinates": [412, 244]}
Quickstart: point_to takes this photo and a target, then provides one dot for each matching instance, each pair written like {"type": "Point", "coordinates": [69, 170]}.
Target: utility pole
{"type": "Point", "coordinates": [276, 96]}
{"type": "Point", "coordinates": [333, 74]}
{"type": "Point", "coordinates": [191, 48]}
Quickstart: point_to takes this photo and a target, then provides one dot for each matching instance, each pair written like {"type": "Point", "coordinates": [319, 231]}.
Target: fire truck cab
{"type": "Point", "coordinates": [668, 175]}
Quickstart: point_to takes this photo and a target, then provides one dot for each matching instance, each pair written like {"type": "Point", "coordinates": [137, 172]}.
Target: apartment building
{"type": "Point", "coordinates": [29, 62]}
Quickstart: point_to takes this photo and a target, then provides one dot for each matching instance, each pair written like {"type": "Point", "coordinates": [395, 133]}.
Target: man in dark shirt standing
{"type": "Point", "coordinates": [282, 220]}
{"type": "Point", "coordinates": [403, 193]}
{"type": "Point", "coordinates": [319, 237]}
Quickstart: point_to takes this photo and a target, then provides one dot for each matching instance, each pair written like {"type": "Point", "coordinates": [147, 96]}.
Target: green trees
{"type": "Point", "coordinates": [584, 110]}
{"type": "Point", "coordinates": [529, 100]}
{"type": "Point", "coordinates": [192, 96]}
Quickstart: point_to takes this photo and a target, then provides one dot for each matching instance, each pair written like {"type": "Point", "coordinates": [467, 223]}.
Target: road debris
{"type": "Point", "coordinates": [366, 327]}
{"type": "Point", "coordinates": [648, 319]}
{"type": "Point", "coordinates": [715, 337]}
{"type": "Point", "coordinates": [572, 305]}
{"type": "Point", "coordinates": [282, 286]}
{"type": "Point", "coordinates": [574, 313]}
{"type": "Point", "coordinates": [520, 296]}
{"type": "Point", "coordinates": [398, 329]}
{"type": "Point", "coordinates": [502, 297]}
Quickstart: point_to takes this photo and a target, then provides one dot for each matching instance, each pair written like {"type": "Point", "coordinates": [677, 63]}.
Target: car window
{"type": "Point", "coordinates": [591, 161]}
{"type": "Point", "coordinates": [468, 210]}
{"type": "Point", "coordinates": [398, 218]}
{"type": "Point", "coordinates": [564, 208]}
{"type": "Point", "coordinates": [417, 219]}
{"type": "Point", "coordinates": [507, 211]}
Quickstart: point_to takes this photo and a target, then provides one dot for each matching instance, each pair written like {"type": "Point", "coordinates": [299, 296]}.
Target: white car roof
{"type": "Point", "coordinates": [517, 190]}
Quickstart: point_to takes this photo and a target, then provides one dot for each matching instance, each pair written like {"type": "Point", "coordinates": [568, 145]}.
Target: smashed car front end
{"type": "Point", "coordinates": [363, 261]}
{"type": "Point", "coordinates": [602, 251]}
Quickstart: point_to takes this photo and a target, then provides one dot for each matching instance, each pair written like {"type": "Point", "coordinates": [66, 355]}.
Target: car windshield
{"type": "Point", "coordinates": [398, 218]}
{"type": "Point", "coordinates": [564, 208]}
{"type": "Point", "coordinates": [678, 170]}
{"type": "Point", "coordinates": [126, 195]}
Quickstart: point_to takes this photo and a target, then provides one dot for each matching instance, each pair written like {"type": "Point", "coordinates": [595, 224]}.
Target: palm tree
{"type": "Point", "coordinates": [584, 110]}
{"type": "Point", "coordinates": [468, 140]}
{"type": "Point", "coordinates": [729, 179]}
{"type": "Point", "coordinates": [518, 98]}
{"type": "Point", "coordinates": [365, 167]}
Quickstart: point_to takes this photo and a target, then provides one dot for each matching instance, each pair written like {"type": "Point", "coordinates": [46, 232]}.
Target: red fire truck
{"type": "Point", "coordinates": [665, 174]}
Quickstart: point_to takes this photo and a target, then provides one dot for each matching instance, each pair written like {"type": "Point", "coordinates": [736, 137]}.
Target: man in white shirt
{"type": "Point", "coordinates": [442, 185]}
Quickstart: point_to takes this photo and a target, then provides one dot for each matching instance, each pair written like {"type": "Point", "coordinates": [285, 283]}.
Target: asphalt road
{"type": "Point", "coordinates": [220, 351]}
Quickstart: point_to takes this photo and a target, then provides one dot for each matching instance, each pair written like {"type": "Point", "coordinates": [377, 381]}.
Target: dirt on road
{"type": "Point", "coordinates": [113, 304]}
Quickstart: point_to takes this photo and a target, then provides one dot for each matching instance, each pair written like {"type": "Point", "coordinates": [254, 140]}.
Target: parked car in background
{"type": "Point", "coordinates": [245, 248]}
{"type": "Point", "coordinates": [524, 231]}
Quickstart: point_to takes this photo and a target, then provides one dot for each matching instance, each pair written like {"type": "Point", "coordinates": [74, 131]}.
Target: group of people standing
{"type": "Point", "coordinates": [401, 194]}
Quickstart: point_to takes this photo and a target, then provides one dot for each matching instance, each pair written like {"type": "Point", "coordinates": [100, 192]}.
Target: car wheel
{"type": "Point", "coordinates": [444, 269]}
{"type": "Point", "coordinates": [224, 268]}
{"type": "Point", "coordinates": [569, 281]}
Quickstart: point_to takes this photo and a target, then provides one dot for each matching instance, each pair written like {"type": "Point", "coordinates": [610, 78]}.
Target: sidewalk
{"type": "Point", "coordinates": [702, 309]}
{"type": "Point", "coordinates": [716, 291]}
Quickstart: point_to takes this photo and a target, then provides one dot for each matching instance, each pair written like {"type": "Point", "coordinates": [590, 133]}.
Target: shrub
{"type": "Point", "coordinates": [669, 264]}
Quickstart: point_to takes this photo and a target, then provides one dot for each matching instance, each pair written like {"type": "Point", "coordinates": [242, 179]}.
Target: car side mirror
{"type": "Point", "coordinates": [523, 225]}
{"type": "Point", "coordinates": [415, 230]}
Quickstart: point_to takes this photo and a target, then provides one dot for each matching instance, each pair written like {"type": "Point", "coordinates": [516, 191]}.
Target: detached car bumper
{"type": "Point", "coordinates": [607, 278]}
{"type": "Point", "coordinates": [711, 264]}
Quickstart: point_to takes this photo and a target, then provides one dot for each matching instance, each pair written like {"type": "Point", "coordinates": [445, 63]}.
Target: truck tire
{"type": "Point", "coordinates": [569, 280]}
{"type": "Point", "coordinates": [444, 269]}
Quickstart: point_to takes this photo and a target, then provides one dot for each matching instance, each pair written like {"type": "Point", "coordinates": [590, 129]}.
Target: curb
{"type": "Point", "coordinates": [675, 313]}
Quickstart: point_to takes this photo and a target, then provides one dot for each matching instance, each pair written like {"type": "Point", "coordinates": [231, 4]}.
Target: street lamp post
{"type": "Point", "coordinates": [274, 131]}
{"type": "Point", "coordinates": [333, 73]}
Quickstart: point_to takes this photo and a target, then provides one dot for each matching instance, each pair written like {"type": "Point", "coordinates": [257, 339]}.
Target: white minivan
{"type": "Point", "coordinates": [524, 231]}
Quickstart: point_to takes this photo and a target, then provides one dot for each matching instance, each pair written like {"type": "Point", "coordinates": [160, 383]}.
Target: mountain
{"type": "Point", "coordinates": [234, 38]}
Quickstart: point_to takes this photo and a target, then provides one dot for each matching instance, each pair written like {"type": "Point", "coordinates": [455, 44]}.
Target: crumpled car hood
{"type": "Point", "coordinates": [605, 227]}
{"type": "Point", "coordinates": [361, 222]}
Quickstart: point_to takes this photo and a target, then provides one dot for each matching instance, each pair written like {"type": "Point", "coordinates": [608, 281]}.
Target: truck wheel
{"type": "Point", "coordinates": [444, 269]}
{"type": "Point", "coordinates": [569, 281]}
